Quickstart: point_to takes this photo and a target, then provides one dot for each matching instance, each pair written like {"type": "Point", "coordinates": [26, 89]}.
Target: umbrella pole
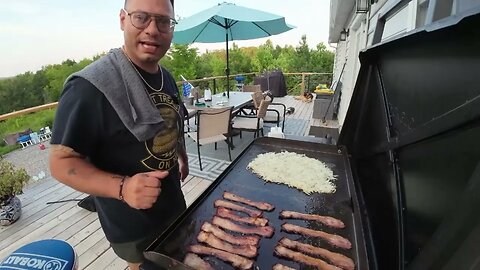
{"type": "Point", "coordinates": [227, 70]}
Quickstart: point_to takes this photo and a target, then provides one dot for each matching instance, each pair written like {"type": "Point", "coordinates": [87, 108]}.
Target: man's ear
{"type": "Point", "coordinates": [122, 16]}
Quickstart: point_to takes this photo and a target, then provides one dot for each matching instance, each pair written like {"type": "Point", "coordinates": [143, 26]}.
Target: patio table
{"type": "Point", "coordinates": [237, 100]}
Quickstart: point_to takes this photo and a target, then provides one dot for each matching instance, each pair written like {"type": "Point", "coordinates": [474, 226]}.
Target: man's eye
{"type": "Point", "coordinates": [141, 17]}
{"type": "Point", "coordinates": [163, 20]}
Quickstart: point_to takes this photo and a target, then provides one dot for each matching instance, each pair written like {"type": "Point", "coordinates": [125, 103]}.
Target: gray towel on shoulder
{"type": "Point", "coordinates": [115, 77]}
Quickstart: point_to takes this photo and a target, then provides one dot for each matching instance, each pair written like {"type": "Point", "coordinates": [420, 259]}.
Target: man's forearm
{"type": "Point", "coordinates": [73, 170]}
{"type": "Point", "coordinates": [182, 154]}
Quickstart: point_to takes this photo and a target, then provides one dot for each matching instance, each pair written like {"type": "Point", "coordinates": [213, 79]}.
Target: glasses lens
{"type": "Point", "coordinates": [164, 24]}
{"type": "Point", "coordinates": [140, 19]}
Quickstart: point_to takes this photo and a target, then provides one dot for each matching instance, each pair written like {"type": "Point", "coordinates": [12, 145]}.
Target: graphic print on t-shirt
{"type": "Point", "coordinates": [162, 148]}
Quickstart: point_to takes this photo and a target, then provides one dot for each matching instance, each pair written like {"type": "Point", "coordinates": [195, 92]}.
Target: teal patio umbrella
{"type": "Point", "coordinates": [227, 22]}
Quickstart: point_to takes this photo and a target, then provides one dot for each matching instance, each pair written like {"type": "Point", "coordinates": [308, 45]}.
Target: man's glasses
{"type": "Point", "coordinates": [141, 20]}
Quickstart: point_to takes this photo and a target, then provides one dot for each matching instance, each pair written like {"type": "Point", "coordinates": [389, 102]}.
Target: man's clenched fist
{"type": "Point", "coordinates": [142, 190]}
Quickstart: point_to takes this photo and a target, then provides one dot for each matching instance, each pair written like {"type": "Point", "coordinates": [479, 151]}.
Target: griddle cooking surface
{"type": "Point", "coordinates": [237, 179]}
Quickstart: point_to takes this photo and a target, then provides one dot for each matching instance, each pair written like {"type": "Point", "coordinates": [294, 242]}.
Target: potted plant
{"type": "Point", "coordinates": [12, 181]}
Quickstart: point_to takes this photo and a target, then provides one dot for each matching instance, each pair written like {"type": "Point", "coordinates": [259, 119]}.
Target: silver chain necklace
{"type": "Point", "coordinates": [141, 77]}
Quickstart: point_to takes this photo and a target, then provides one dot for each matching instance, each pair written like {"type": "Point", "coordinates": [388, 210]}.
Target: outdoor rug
{"type": "Point", "coordinates": [296, 127]}
{"type": "Point", "coordinates": [212, 167]}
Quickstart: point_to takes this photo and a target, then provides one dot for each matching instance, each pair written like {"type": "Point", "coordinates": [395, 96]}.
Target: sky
{"type": "Point", "coordinates": [36, 33]}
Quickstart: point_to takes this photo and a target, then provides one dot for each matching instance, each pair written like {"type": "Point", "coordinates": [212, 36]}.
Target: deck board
{"type": "Point", "coordinates": [34, 212]}
{"type": "Point", "coordinates": [108, 256]}
{"type": "Point", "coordinates": [190, 185]}
{"type": "Point", "coordinates": [39, 192]}
{"type": "Point", "coordinates": [36, 230]}
{"type": "Point", "coordinates": [197, 191]}
{"type": "Point", "coordinates": [88, 242]}
{"type": "Point", "coordinates": [95, 251]}
{"type": "Point", "coordinates": [80, 227]}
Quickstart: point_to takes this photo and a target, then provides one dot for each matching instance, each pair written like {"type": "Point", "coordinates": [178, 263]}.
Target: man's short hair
{"type": "Point", "coordinates": [125, 4]}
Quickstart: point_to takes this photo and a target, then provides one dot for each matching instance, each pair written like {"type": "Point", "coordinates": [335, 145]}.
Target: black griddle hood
{"type": "Point", "coordinates": [412, 130]}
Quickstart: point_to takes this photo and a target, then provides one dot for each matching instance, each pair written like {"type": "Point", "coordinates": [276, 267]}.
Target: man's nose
{"type": "Point", "coordinates": [152, 27]}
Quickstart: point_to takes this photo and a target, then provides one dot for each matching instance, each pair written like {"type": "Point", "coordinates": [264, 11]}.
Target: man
{"type": "Point", "coordinates": [118, 133]}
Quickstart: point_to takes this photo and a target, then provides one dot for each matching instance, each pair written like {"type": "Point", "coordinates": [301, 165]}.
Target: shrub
{"type": "Point", "coordinates": [12, 180]}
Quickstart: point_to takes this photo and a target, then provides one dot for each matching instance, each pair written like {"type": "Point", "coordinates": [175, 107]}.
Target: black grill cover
{"type": "Point", "coordinates": [273, 81]}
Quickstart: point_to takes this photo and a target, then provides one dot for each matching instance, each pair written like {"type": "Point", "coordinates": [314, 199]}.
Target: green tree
{"type": "Point", "coordinates": [239, 61]}
{"type": "Point", "coordinates": [32, 89]}
{"type": "Point", "coordinates": [57, 74]}
{"type": "Point", "coordinates": [22, 91]}
{"type": "Point", "coordinates": [264, 58]}
{"type": "Point", "coordinates": [301, 61]}
{"type": "Point", "coordinates": [322, 59]}
{"type": "Point", "coordinates": [181, 61]}
{"type": "Point", "coordinates": [207, 65]}
{"type": "Point", "coordinates": [285, 58]}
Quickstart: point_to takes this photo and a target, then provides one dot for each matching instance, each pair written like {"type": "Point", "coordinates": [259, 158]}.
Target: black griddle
{"type": "Point", "coordinates": [237, 179]}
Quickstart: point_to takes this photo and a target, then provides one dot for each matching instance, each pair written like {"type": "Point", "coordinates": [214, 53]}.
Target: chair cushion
{"type": "Point", "coordinates": [272, 117]}
{"type": "Point", "coordinates": [246, 123]}
{"type": "Point", "coordinates": [40, 255]}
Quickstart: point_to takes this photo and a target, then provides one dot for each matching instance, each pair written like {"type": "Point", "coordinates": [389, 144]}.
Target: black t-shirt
{"type": "Point", "coordinates": [86, 122]}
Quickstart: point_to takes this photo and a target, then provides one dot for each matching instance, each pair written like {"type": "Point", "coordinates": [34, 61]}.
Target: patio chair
{"type": "Point", "coordinates": [275, 112]}
{"type": "Point", "coordinates": [34, 137]}
{"type": "Point", "coordinates": [213, 125]}
{"type": "Point", "coordinates": [253, 124]}
{"type": "Point", "coordinates": [45, 134]}
{"type": "Point", "coordinates": [253, 89]}
{"type": "Point", "coordinates": [190, 114]}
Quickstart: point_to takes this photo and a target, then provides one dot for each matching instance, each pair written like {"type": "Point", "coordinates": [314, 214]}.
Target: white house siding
{"type": "Point", "coordinates": [361, 29]}
{"type": "Point", "coordinates": [347, 52]}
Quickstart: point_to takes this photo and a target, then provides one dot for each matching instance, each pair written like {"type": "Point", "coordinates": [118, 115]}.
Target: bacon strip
{"type": "Point", "coordinates": [236, 240]}
{"type": "Point", "coordinates": [215, 242]}
{"type": "Point", "coordinates": [329, 221]}
{"type": "Point", "coordinates": [333, 239]}
{"type": "Point", "coordinates": [302, 258]}
{"type": "Point", "coordinates": [234, 259]}
{"type": "Point", "coordinates": [337, 259]}
{"type": "Point", "coordinates": [196, 262]}
{"type": "Point", "coordinates": [236, 207]}
{"type": "Point", "coordinates": [259, 205]}
{"type": "Point", "coordinates": [225, 213]}
{"type": "Point", "coordinates": [266, 231]}
{"type": "Point", "coordinates": [281, 267]}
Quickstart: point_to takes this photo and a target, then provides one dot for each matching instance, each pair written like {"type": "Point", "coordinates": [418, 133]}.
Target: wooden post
{"type": "Point", "coordinates": [303, 83]}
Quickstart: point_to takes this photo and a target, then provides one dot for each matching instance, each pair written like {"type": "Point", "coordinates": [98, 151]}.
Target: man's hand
{"type": "Point", "coordinates": [142, 190]}
{"type": "Point", "coordinates": [184, 170]}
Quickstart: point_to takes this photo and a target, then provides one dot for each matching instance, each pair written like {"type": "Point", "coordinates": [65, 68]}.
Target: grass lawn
{"type": "Point", "coordinates": [34, 121]}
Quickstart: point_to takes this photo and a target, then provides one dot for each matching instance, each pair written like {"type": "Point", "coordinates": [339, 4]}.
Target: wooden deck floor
{"type": "Point", "coordinates": [80, 227]}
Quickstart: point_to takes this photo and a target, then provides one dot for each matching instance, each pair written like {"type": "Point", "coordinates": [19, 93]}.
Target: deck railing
{"type": "Point", "coordinates": [297, 83]}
